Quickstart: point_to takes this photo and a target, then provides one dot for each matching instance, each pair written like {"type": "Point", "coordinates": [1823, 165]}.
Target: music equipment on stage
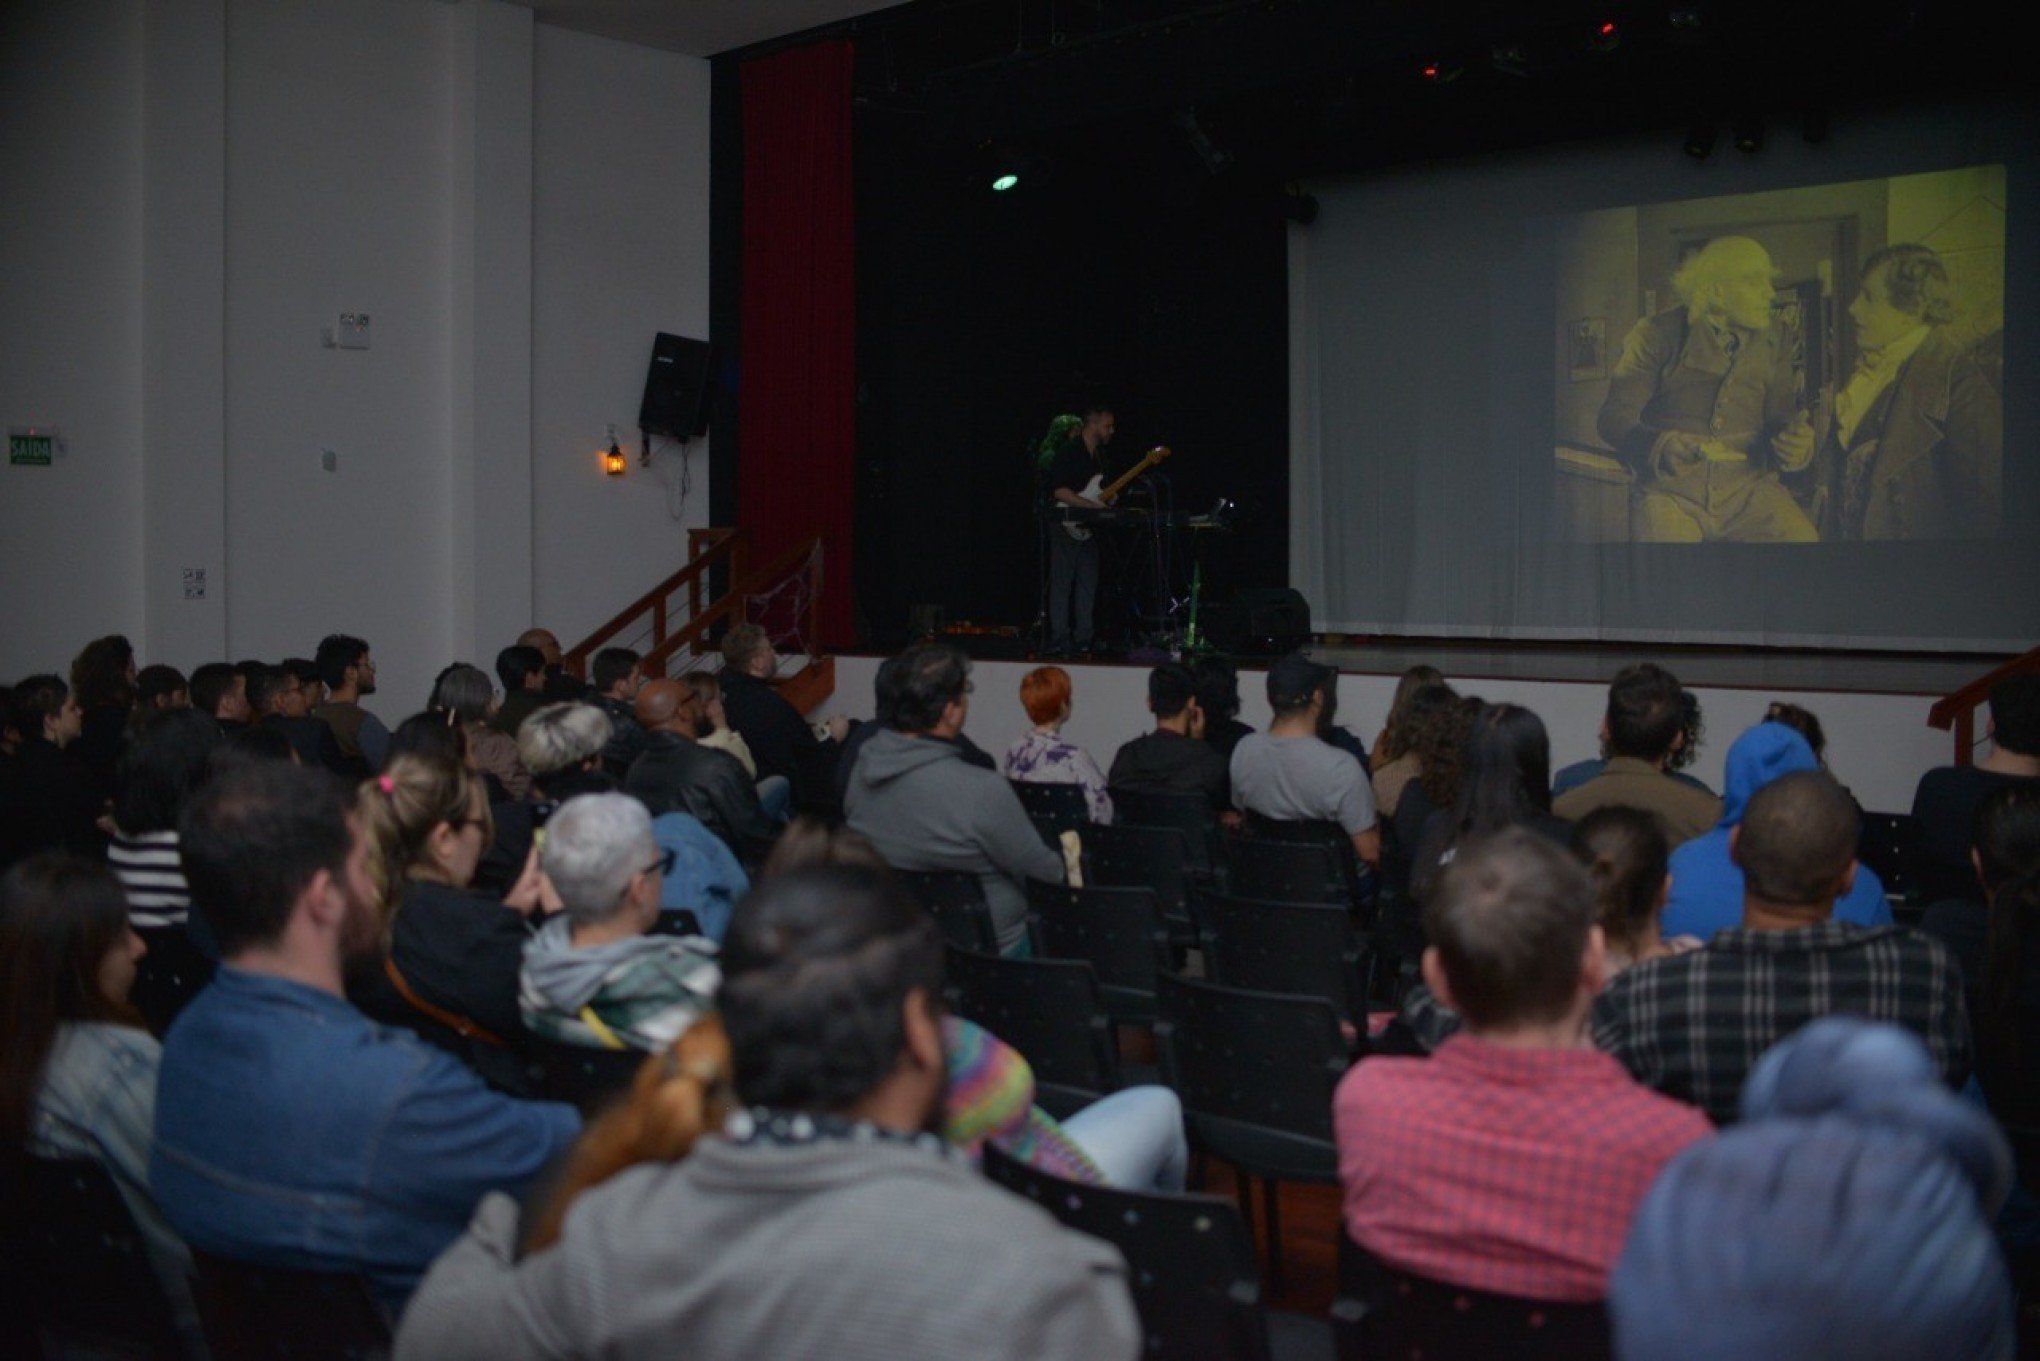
{"type": "Point", "coordinates": [1096, 490]}
{"type": "Point", "coordinates": [1258, 622]}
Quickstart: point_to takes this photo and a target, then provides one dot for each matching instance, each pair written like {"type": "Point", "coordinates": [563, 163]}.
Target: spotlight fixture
{"type": "Point", "coordinates": [1604, 37]}
{"type": "Point", "coordinates": [1700, 140]}
{"type": "Point", "coordinates": [1748, 135]}
{"type": "Point", "coordinates": [613, 461]}
{"type": "Point", "coordinates": [1440, 72]}
{"type": "Point", "coordinates": [1004, 180]}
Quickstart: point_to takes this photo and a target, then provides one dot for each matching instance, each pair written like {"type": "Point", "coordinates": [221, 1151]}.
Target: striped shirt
{"type": "Point", "coordinates": [149, 870]}
{"type": "Point", "coordinates": [1693, 1025]}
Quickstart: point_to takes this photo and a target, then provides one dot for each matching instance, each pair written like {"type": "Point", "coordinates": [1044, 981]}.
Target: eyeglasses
{"type": "Point", "coordinates": [664, 864]}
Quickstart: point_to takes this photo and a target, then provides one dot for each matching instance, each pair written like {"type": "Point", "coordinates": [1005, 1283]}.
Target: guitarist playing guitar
{"type": "Point", "coordinates": [1075, 478]}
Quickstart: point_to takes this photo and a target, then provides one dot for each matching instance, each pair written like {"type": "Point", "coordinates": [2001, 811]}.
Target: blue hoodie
{"type": "Point", "coordinates": [1707, 886]}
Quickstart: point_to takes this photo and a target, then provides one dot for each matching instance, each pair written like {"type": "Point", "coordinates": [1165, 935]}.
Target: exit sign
{"type": "Point", "coordinates": [31, 448]}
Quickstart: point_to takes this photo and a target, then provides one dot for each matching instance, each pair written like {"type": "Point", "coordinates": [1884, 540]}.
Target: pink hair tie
{"type": "Point", "coordinates": [386, 785]}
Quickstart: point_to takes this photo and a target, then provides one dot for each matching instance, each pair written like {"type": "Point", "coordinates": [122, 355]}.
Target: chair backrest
{"type": "Point", "coordinates": [1190, 1259]}
{"type": "Point", "coordinates": [1306, 948]}
{"type": "Point", "coordinates": [1051, 1010]}
{"type": "Point", "coordinates": [1889, 844]}
{"type": "Point", "coordinates": [1291, 871]}
{"type": "Point", "coordinates": [1055, 808]}
{"type": "Point", "coordinates": [589, 1078]}
{"type": "Point", "coordinates": [957, 901]}
{"type": "Point", "coordinates": [283, 1315]}
{"type": "Point", "coordinates": [168, 976]}
{"type": "Point", "coordinates": [1118, 931]}
{"type": "Point", "coordinates": [1191, 814]}
{"type": "Point", "coordinates": [75, 1262]}
{"type": "Point", "coordinates": [1256, 1072]}
{"type": "Point", "coordinates": [1381, 1312]}
{"type": "Point", "coordinates": [1155, 858]}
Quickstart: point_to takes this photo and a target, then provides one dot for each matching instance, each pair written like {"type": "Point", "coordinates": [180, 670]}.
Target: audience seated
{"type": "Point", "coordinates": [560, 686]}
{"type": "Point", "coordinates": [159, 687]}
{"type": "Point", "coordinates": [926, 808]}
{"type": "Point", "coordinates": [1174, 758]}
{"type": "Point", "coordinates": [348, 672]}
{"type": "Point", "coordinates": [1643, 733]}
{"type": "Point", "coordinates": [221, 692]}
{"type": "Point", "coordinates": [466, 693]}
{"type": "Point", "coordinates": [103, 679]}
{"type": "Point", "coordinates": [47, 797]}
{"type": "Point", "coordinates": [1218, 695]}
{"type": "Point", "coordinates": [1944, 805]}
{"type": "Point", "coordinates": [1691, 1025]}
{"type": "Point", "coordinates": [780, 739]}
{"type": "Point", "coordinates": [1690, 730]}
{"type": "Point", "coordinates": [163, 766]}
{"type": "Point", "coordinates": [309, 678]}
{"type": "Point", "coordinates": [1395, 761]}
{"type": "Point", "coordinates": [1512, 1159]}
{"type": "Point", "coordinates": [677, 774]}
{"type": "Point", "coordinates": [282, 701]}
{"type": "Point", "coordinates": [1707, 888]}
{"type": "Point", "coordinates": [592, 976]}
{"type": "Point", "coordinates": [1043, 755]}
{"type": "Point", "coordinates": [1847, 1216]}
{"type": "Point", "coordinates": [1290, 774]}
{"type": "Point", "coordinates": [824, 1220]}
{"type": "Point", "coordinates": [1625, 855]}
{"type": "Point", "coordinates": [885, 693]}
{"type": "Point", "coordinates": [1440, 725]}
{"type": "Point", "coordinates": [2006, 981]}
{"type": "Point", "coordinates": [716, 731]}
{"type": "Point", "coordinates": [521, 669]}
{"type": "Point", "coordinates": [77, 1070]}
{"type": "Point", "coordinates": [290, 1130]}
{"type": "Point", "coordinates": [616, 682]}
{"type": "Point", "coordinates": [1507, 784]}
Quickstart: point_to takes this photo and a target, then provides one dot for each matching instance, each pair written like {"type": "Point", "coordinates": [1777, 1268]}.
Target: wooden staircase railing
{"type": "Point", "coordinates": [1958, 711]}
{"type": "Point", "coordinates": [655, 606]}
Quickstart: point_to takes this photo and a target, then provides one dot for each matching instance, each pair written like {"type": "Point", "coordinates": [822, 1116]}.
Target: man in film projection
{"type": "Point", "coordinates": [1704, 406]}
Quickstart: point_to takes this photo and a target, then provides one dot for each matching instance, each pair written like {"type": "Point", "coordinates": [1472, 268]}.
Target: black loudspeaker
{"type": "Point", "coordinates": [678, 390]}
{"type": "Point", "coordinates": [1259, 622]}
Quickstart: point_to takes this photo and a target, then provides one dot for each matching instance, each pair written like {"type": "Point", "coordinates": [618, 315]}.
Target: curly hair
{"type": "Point", "coordinates": [1439, 738]}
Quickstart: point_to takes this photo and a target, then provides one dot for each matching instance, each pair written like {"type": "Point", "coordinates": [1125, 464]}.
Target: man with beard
{"type": "Point", "coordinates": [292, 1131]}
{"type": "Point", "coordinates": [349, 673]}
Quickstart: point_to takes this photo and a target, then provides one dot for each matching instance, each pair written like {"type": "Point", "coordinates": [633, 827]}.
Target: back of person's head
{"type": "Point", "coordinates": [2015, 714]}
{"type": "Point", "coordinates": [1406, 687]}
{"type": "Point", "coordinates": [1043, 693]}
{"type": "Point", "coordinates": [2007, 841]}
{"type": "Point", "coordinates": [337, 652]}
{"type": "Point", "coordinates": [1439, 739]}
{"type": "Point", "coordinates": [1171, 687]}
{"type": "Point", "coordinates": [163, 765]}
{"type": "Point", "coordinates": [516, 663]}
{"type": "Point", "coordinates": [60, 917]}
{"type": "Point", "coordinates": [1797, 840]}
{"type": "Point", "coordinates": [931, 676]}
{"type": "Point", "coordinates": [1412, 714]}
{"type": "Point", "coordinates": [1625, 852]}
{"type": "Point", "coordinates": [885, 690]}
{"type": "Point", "coordinates": [159, 682]}
{"type": "Point", "coordinates": [595, 844]}
{"type": "Point", "coordinates": [818, 966]}
{"type": "Point", "coordinates": [252, 840]}
{"type": "Point", "coordinates": [1802, 721]}
{"type": "Point", "coordinates": [212, 683]}
{"type": "Point", "coordinates": [744, 644]}
{"type": "Point", "coordinates": [1508, 771]}
{"type": "Point", "coordinates": [464, 691]}
{"type": "Point", "coordinates": [36, 699]}
{"type": "Point", "coordinates": [810, 841]}
{"type": "Point", "coordinates": [304, 668]}
{"type": "Point", "coordinates": [400, 808]}
{"type": "Point", "coordinates": [1645, 712]}
{"type": "Point", "coordinates": [611, 665]}
{"type": "Point", "coordinates": [1847, 1216]}
{"type": "Point", "coordinates": [99, 673]}
{"type": "Point", "coordinates": [1295, 682]}
{"type": "Point", "coordinates": [1510, 917]}
{"type": "Point", "coordinates": [1218, 688]}
{"type": "Point", "coordinates": [265, 683]}
{"type": "Point", "coordinates": [435, 734]}
{"type": "Point", "coordinates": [561, 736]}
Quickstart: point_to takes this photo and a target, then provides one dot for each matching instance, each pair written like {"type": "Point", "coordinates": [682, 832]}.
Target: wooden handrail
{"type": "Point", "coordinates": [1958, 710]}
{"type": "Point", "coordinates": [730, 544]}
{"type": "Point", "coordinates": [654, 663]}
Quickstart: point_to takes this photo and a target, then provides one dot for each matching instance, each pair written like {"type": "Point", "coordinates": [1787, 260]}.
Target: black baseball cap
{"type": "Point", "coordinates": [1295, 678]}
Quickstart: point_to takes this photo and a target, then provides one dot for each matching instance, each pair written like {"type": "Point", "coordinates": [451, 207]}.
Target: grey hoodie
{"type": "Point", "coordinates": [926, 808]}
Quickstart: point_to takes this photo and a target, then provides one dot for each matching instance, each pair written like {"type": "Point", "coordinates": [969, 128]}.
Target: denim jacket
{"type": "Point", "coordinates": [706, 878]}
{"type": "Point", "coordinates": [292, 1131]}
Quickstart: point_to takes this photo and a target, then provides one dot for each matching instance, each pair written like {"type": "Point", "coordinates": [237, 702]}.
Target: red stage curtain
{"type": "Point", "coordinates": [797, 381]}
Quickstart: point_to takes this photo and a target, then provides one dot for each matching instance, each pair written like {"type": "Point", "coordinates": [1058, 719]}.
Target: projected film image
{"type": "Point", "coordinates": [1811, 364]}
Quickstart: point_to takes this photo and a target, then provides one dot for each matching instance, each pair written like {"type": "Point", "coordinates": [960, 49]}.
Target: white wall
{"type": "Point", "coordinates": [197, 188]}
{"type": "Point", "coordinates": [1878, 745]}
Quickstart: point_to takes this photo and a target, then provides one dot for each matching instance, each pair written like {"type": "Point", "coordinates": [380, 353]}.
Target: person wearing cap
{"type": "Point", "coordinates": [1847, 1216]}
{"type": "Point", "coordinates": [1704, 407]}
{"type": "Point", "coordinates": [1290, 774]}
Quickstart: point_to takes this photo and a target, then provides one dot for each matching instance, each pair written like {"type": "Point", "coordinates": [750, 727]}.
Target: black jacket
{"type": "Point", "coordinates": [626, 735]}
{"type": "Point", "coordinates": [780, 740]}
{"type": "Point", "coordinates": [677, 774]}
{"type": "Point", "coordinates": [48, 802]}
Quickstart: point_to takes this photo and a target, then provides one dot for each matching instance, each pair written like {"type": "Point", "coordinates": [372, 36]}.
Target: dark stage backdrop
{"type": "Point", "coordinates": [1117, 269]}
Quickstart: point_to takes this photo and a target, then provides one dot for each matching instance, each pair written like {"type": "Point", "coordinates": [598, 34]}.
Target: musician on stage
{"type": "Point", "coordinates": [1073, 556]}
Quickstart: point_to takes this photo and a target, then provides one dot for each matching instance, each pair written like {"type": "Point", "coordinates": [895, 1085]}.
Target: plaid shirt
{"type": "Point", "coordinates": [1514, 1171]}
{"type": "Point", "coordinates": [1693, 1025]}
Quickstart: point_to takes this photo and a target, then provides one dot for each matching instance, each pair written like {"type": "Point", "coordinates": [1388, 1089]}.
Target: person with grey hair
{"type": "Point", "coordinates": [591, 976]}
{"type": "Point", "coordinates": [468, 695]}
{"type": "Point", "coordinates": [1847, 1216]}
{"type": "Point", "coordinates": [561, 740]}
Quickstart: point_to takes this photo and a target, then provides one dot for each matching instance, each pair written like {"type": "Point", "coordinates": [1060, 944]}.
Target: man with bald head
{"type": "Point", "coordinates": [678, 774]}
{"type": "Point", "coordinates": [1703, 405]}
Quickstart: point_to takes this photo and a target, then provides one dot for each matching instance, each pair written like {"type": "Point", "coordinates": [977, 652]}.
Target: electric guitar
{"type": "Point", "coordinates": [1096, 490]}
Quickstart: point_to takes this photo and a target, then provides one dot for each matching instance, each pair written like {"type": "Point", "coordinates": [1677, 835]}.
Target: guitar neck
{"type": "Point", "coordinates": [1107, 494]}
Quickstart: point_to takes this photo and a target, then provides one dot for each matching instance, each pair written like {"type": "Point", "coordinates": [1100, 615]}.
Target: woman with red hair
{"type": "Point", "coordinates": [1044, 756]}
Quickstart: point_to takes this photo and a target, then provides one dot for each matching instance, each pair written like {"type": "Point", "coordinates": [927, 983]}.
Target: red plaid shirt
{"type": "Point", "coordinates": [1514, 1171]}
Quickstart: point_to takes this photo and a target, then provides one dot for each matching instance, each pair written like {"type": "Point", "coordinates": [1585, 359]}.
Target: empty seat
{"type": "Point", "coordinates": [1118, 931]}
{"type": "Point", "coordinates": [1054, 808]}
{"type": "Point", "coordinates": [1297, 871]}
{"type": "Point", "coordinates": [1052, 1011]}
{"type": "Point", "coordinates": [957, 900]}
{"type": "Point", "coordinates": [1305, 948]}
{"type": "Point", "coordinates": [1154, 858]}
{"type": "Point", "coordinates": [1190, 814]}
{"type": "Point", "coordinates": [75, 1275]}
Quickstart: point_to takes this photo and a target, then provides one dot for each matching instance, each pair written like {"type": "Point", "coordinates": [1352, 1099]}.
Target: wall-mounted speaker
{"type": "Point", "coordinates": [678, 389]}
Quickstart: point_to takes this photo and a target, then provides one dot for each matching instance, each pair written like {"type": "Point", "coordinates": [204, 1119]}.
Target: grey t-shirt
{"type": "Point", "coordinates": [1300, 779]}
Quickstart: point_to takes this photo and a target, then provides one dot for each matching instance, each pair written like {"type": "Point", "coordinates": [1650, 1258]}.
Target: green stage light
{"type": "Point", "coordinates": [1005, 182]}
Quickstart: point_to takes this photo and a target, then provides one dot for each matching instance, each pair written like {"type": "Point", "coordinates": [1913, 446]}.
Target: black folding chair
{"type": "Point", "coordinates": [1273, 871]}
{"type": "Point", "coordinates": [1154, 858]}
{"type": "Point", "coordinates": [276, 1314]}
{"type": "Point", "coordinates": [1190, 814]}
{"type": "Point", "coordinates": [1256, 1072]}
{"type": "Point", "coordinates": [1381, 1312]}
{"type": "Point", "coordinates": [1190, 1261]}
{"type": "Point", "coordinates": [1889, 843]}
{"type": "Point", "coordinates": [1052, 1011]}
{"type": "Point", "coordinates": [169, 975]}
{"type": "Point", "coordinates": [74, 1270]}
{"type": "Point", "coordinates": [1310, 949]}
{"type": "Point", "coordinates": [589, 1078]}
{"type": "Point", "coordinates": [957, 901]}
{"type": "Point", "coordinates": [1118, 931]}
{"type": "Point", "coordinates": [1053, 808]}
